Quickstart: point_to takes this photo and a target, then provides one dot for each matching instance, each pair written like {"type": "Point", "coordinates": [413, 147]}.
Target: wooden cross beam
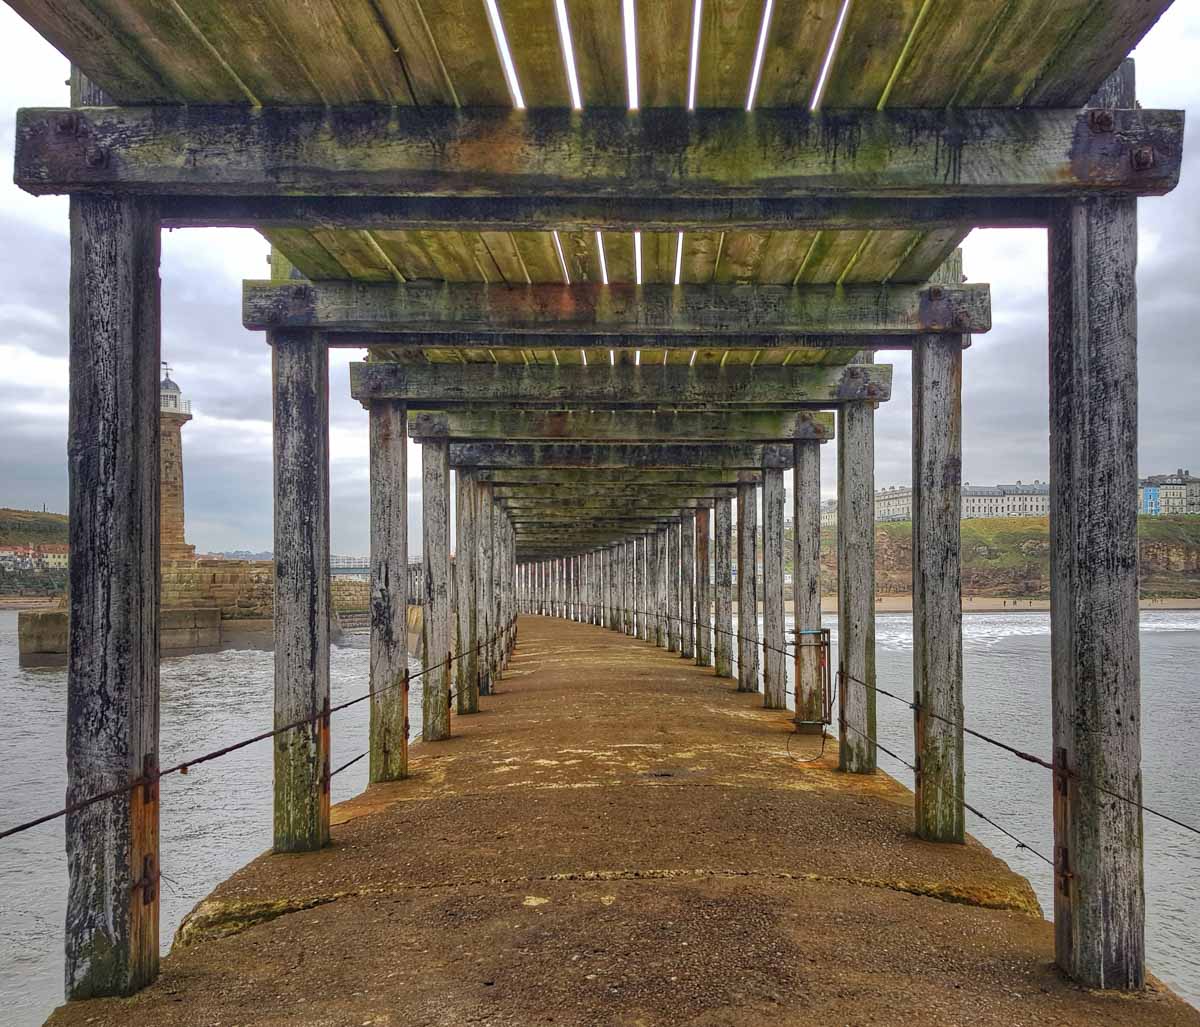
{"type": "Point", "coordinates": [599, 152]}
{"type": "Point", "coordinates": [633, 457]}
{"type": "Point", "coordinates": [632, 426]}
{"type": "Point", "coordinates": [600, 477]}
{"type": "Point", "coordinates": [691, 311]}
{"type": "Point", "coordinates": [432, 386]}
{"type": "Point", "coordinates": [607, 492]}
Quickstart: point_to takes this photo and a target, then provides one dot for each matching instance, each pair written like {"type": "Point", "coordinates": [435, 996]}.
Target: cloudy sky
{"type": "Point", "coordinates": [225, 370]}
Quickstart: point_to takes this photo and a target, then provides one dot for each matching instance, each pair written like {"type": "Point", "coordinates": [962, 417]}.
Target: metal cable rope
{"type": "Point", "coordinates": [182, 768]}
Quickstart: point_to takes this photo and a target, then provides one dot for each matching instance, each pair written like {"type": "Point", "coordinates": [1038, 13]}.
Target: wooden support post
{"type": "Point", "coordinates": [723, 572]}
{"type": "Point", "coordinates": [703, 588]}
{"type": "Point", "coordinates": [856, 587]}
{"type": "Point", "coordinates": [609, 558]}
{"type": "Point", "coordinates": [673, 562]}
{"type": "Point", "coordinates": [436, 626]}
{"type": "Point", "coordinates": [937, 588]}
{"type": "Point", "coordinates": [1099, 902]}
{"type": "Point", "coordinates": [300, 372]}
{"type": "Point", "coordinates": [623, 571]}
{"type": "Point", "coordinates": [485, 569]}
{"type": "Point", "coordinates": [388, 730]}
{"type": "Point", "coordinates": [806, 586]}
{"type": "Point", "coordinates": [747, 622]}
{"type": "Point", "coordinates": [466, 668]}
{"type": "Point", "coordinates": [661, 578]}
{"type": "Point", "coordinates": [774, 658]}
{"type": "Point", "coordinates": [112, 663]}
{"type": "Point", "coordinates": [687, 591]}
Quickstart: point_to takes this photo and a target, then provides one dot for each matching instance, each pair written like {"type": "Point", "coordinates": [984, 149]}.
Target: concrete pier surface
{"type": "Point", "coordinates": [619, 837]}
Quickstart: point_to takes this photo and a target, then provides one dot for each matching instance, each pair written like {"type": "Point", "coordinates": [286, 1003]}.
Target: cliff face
{"type": "Point", "coordinates": [1011, 557]}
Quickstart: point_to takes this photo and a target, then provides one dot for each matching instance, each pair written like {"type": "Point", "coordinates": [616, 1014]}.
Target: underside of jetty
{"type": "Point", "coordinates": [621, 269]}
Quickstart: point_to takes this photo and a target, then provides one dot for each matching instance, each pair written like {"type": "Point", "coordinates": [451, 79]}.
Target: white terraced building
{"type": "Point", "coordinates": [1016, 500]}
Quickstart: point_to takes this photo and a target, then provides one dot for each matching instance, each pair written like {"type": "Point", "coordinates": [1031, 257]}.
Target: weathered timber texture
{"type": "Point", "coordinates": [587, 214]}
{"type": "Point", "coordinates": [516, 425]}
{"type": "Point", "coordinates": [583, 308]}
{"type": "Point", "coordinates": [431, 386]}
{"type": "Point", "coordinates": [113, 638]}
{"type": "Point", "coordinates": [703, 586]}
{"type": "Point", "coordinates": [436, 627]}
{"type": "Point", "coordinates": [774, 654]}
{"type": "Point", "coordinates": [577, 479]}
{"type": "Point", "coordinates": [730, 456]}
{"type": "Point", "coordinates": [937, 589]}
{"type": "Point", "coordinates": [466, 612]}
{"type": "Point", "coordinates": [747, 587]}
{"type": "Point", "coordinates": [440, 151]}
{"type": "Point", "coordinates": [723, 587]}
{"type": "Point", "coordinates": [389, 592]}
{"type": "Point", "coordinates": [806, 584]}
{"type": "Point", "coordinates": [856, 588]}
{"type": "Point", "coordinates": [687, 585]}
{"type": "Point", "coordinates": [300, 373]}
{"type": "Point", "coordinates": [486, 564]}
{"type": "Point", "coordinates": [1099, 903]}
{"type": "Point", "coordinates": [673, 588]}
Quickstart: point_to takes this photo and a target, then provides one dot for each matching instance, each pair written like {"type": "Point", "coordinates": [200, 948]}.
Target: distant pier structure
{"type": "Point", "coordinates": [606, 312]}
{"type": "Point", "coordinates": [174, 412]}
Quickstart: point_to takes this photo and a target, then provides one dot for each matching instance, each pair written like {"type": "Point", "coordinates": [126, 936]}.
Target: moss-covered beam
{"type": "Point", "coordinates": [669, 152]}
{"type": "Point", "coordinates": [433, 386]}
{"type": "Point", "coordinates": [690, 311]}
{"type": "Point", "coordinates": [634, 456]}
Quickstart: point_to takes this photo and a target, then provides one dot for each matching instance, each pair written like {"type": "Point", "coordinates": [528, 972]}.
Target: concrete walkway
{"type": "Point", "coordinates": [620, 838]}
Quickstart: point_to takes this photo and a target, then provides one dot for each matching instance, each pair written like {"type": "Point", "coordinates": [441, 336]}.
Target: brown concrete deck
{"type": "Point", "coordinates": [620, 838]}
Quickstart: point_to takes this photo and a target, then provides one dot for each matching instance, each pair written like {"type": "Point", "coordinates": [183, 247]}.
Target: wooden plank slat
{"type": "Point", "coordinates": [539, 256]}
{"type": "Point", "coordinates": [357, 254]}
{"type": "Point", "coordinates": [598, 38]}
{"type": "Point", "coordinates": [409, 33]}
{"type": "Point", "coordinates": [306, 252]}
{"type": "Point", "coordinates": [582, 256]}
{"type": "Point", "coordinates": [799, 37]}
{"type": "Point", "coordinates": [830, 255]}
{"type": "Point", "coordinates": [728, 34]}
{"type": "Point", "coordinates": [870, 47]}
{"type": "Point", "coordinates": [503, 250]}
{"type": "Point", "coordinates": [783, 256]}
{"type": "Point", "coordinates": [463, 40]}
{"type": "Point", "coordinates": [664, 35]}
{"type": "Point", "coordinates": [532, 31]}
{"type": "Point", "coordinates": [618, 253]}
{"type": "Point", "coordinates": [741, 256]}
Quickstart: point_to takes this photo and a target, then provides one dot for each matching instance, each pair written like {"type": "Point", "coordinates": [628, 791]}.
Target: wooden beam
{"type": "Point", "coordinates": [607, 491]}
{"type": "Point", "coordinates": [112, 729]}
{"type": "Point", "coordinates": [615, 213]}
{"type": "Point", "coordinates": [631, 426]}
{"type": "Point", "coordinates": [388, 730]}
{"type": "Point", "coordinates": [494, 151]}
{"type": "Point", "coordinates": [433, 386]}
{"type": "Point", "coordinates": [466, 669]}
{"type": "Point", "coordinates": [723, 587]}
{"type": "Point", "coordinates": [703, 587]}
{"type": "Point", "coordinates": [747, 588]}
{"type": "Point", "coordinates": [568, 479]}
{"type": "Point", "coordinates": [774, 661]}
{"type": "Point", "coordinates": [732, 456]}
{"type": "Point", "coordinates": [300, 375]}
{"type": "Point", "coordinates": [586, 308]}
{"type": "Point", "coordinates": [687, 587]}
{"type": "Point", "coordinates": [806, 586]}
{"type": "Point", "coordinates": [436, 627]}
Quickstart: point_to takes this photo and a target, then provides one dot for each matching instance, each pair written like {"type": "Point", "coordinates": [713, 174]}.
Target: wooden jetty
{"type": "Point", "coordinates": [615, 267]}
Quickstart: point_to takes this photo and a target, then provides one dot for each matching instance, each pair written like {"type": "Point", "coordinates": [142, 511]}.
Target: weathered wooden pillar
{"type": "Point", "coordinates": [628, 550]}
{"type": "Point", "coordinates": [687, 589]}
{"type": "Point", "coordinates": [466, 668]}
{"type": "Point", "coordinates": [747, 623]}
{"type": "Point", "coordinates": [673, 564]}
{"type": "Point", "coordinates": [661, 577]}
{"type": "Point", "coordinates": [856, 587]}
{"type": "Point", "coordinates": [300, 373]}
{"type": "Point", "coordinates": [774, 652]}
{"type": "Point", "coordinates": [703, 605]}
{"type": "Point", "coordinates": [388, 730]}
{"type": "Point", "coordinates": [1099, 902]}
{"type": "Point", "coordinates": [485, 617]}
{"type": "Point", "coordinates": [436, 624]}
{"type": "Point", "coordinates": [936, 589]}
{"type": "Point", "coordinates": [723, 572]}
{"type": "Point", "coordinates": [806, 585]}
{"type": "Point", "coordinates": [112, 663]}
{"type": "Point", "coordinates": [652, 619]}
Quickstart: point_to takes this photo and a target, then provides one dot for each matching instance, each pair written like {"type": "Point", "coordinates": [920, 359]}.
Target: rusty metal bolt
{"type": "Point", "coordinates": [1142, 158]}
{"type": "Point", "coordinates": [936, 293]}
{"type": "Point", "coordinates": [67, 124]}
{"type": "Point", "coordinates": [95, 156]}
{"type": "Point", "coordinates": [1101, 121]}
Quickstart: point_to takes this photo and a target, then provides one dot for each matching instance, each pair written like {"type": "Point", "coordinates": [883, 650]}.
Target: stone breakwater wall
{"type": "Point", "coordinates": [241, 589]}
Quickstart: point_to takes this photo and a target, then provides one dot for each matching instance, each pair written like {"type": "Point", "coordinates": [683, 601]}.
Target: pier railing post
{"type": "Point", "coordinates": [723, 571]}
{"type": "Point", "coordinates": [687, 585]}
{"type": "Point", "coordinates": [300, 371]}
{"type": "Point", "coordinates": [806, 584]}
{"type": "Point", "coordinates": [388, 730]}
{"type": "Point", "coordinates": [774, 658]}
{"type": "Point", "coordinates": [856, 587]}
{"type": "Point", "coordinates": [113, 647]}
{"type": "Point", "coordinates": [1099, 902]}
{"type": "Point", "coordinates": [703, 588]}
{"type": "Point", "coordinates": [936, 587]}
{"type": "Point", "coordinates": [436, 625]}
{"type": "Point", "coordinates": [747, 629]}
